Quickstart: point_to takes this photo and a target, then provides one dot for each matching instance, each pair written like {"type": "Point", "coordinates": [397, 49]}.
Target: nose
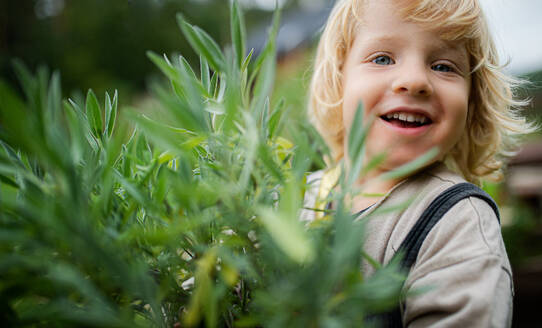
{"type": "Point", "coordinates": [413, 80]}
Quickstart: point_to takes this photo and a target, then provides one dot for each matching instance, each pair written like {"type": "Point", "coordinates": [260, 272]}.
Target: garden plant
{"type": "Point", "coordinates": [183, 216]}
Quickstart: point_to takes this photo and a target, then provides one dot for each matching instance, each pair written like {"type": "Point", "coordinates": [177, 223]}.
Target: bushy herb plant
{"type": "Point", "coordinates": [184, 217]}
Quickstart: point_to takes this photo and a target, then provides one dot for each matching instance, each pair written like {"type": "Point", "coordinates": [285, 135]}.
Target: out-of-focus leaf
{"type": "Point", "coordinates": [54, 100]}
{"type": "Point", "coordinates": [288, 234]}
{"type": "Point", "coordinates": [163, 65]}
{"type": "Point", "coordinates": [9, 181]}
{"type": "Point", "coordinates": [412, 166]}
{"type": "Point", "coordinates": [246, 61]}
{"type": "Point", "coordinates": [356, 141]}
{"type": "Point", "coordinates": [203, 301]}
{"type": "Point", "coordinates": [204, 73]}
{"type": "Point", "coordinates": [203, 44]}
{"type": "Point", "coordinates": [237, 32]}
{"type": "Point", "coordinates": [111, 108]}
{"type": "Point", "coordinates": [94, 113]}
{"type": "Point", "coordinates": [276, 120]}
{"type": "Point", "coordinates": [265, 66]}
{"type": "Point", "coordinates": [357, 134]}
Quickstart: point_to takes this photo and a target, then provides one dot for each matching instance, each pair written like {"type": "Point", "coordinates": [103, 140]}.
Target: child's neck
{"type": "Point", "coordinates": [373, 189]}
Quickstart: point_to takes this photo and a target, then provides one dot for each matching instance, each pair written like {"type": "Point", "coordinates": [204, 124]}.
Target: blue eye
{"type": "Point", "coordinates": [442, 68]}
{"type": "Point", "coordinates": [383, 60]}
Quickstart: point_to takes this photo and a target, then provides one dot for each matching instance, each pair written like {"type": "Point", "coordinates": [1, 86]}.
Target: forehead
{"type": "Point", "coordinates": [384, 22]}
{"type": "Point", "coordinates": [452, 19]}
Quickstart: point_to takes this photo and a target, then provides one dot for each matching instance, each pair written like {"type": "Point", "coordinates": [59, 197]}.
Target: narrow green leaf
{"type": "Point", "coordinates": [288, 234]}
{"type": "Point", "coordinates": [12, 154]}
{"type": "Point", "coordinates": [25, 78]}
{"type": "Point", "coordinates": [412, 166]}
{"type": "Point", "coordinates": [188, 68]}
{"type": "Point", "coordinates": [108, 108]}
{"type": "Point", "coordinates": [276, 119]}
{"type": "Point", "coordinates": [75, 105]}
{"type": "Point", "coordinates": [19, 126]}
{"type": "Point", "coordinates": [246, 62]}
{"type": "Point", "coordinates": [174, 139]}
{"type": "Point", "coordinates": [83, 122]}
{"type": "Point", "coordinates": [132, 189]}
{"type": "Point", "coordinates": [74, 120]}
{"type": "Point", "coordinates": [54, 99]}
{"type": "Point", "coordinates": [267, 160]}
{"type": "Point", "coordinates": [113, 114]}
{"type": "Point", "coordinates": [203, 44]}
{"type": "Point", "coordinates": [214, 85]}
{"type": "Point", "coordinates": [164, 66]}
{"type": "Point", "coordinates": [238, 32]}
{"type": "Point", "coordinates": [193, 92]}
{"type": "Point", "coordinates": [94, 113]}
{"type": "Point", "coordinates": [9, 181]}
{"type": "Point", "coordinates": [373, 163]}
{"type": "Point", "coordinates": [357, 134]}
{"type": "Point", "coordinates": [191, 76]}
{"type": "Point", "coordinates": [182, 113]}
{"type": "Point", "coordinates": [204, 73]}
{"type": "Point", "coordinates": [356, 144]}
{"type": "Point", "coordinates": [382, 210]}
{"type": "Point", "coordinates": [269, 48]}
{"type": "Point", "coordinates": [264, 122]}
{"type": "Point", "coordinates": [221, 82]}
{"type": "Point", "coordinates": [251, 141]}
{"type": "Point", "coordinates": [230, 94]}
{"type": "Point", "coordinates": [265, 64]}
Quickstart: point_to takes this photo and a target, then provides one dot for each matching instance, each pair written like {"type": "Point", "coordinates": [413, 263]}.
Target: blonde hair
{"type": "Point", "coordinates": [493, 122]}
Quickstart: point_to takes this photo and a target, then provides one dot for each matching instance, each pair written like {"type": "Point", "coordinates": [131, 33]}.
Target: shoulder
{"type": "Point", "coordinates": [467, 231]}
{"type": "Point", "coordinates": [470, 228]}
{"type": "Point", "coordinates": [463, 261]}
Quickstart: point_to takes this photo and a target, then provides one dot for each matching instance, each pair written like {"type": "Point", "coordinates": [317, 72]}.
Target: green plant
{"type": "Point", "coordinates": [187, 218]}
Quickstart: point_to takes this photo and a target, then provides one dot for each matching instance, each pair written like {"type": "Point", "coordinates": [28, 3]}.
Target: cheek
{"type": "Point", "coordinates": [349, 99]}
{"type": "Point", "coordinates": [458, 122]}
{"type": "Point", "coordinates": [463, 110]}
{"type": "Point", "coordinates": [354, 93]}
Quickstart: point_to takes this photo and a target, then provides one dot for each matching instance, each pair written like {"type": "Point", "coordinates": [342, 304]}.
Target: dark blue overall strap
{"type": "Point", "coordinates": [430, 217]}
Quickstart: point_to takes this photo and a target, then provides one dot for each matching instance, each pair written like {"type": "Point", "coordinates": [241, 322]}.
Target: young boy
{"type": "Point", "coordinates": [428, 73]}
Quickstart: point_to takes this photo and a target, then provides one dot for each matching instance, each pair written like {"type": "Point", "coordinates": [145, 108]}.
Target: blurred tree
{"type": "Point", "coordinates": [101, 44]}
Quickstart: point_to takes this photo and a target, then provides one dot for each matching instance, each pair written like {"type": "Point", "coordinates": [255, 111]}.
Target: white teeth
{"type": "Point", "coordinates": [407, 117]}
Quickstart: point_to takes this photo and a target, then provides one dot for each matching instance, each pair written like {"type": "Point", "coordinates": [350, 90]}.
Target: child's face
{"type": "Point", "coordinates": [414, 83]}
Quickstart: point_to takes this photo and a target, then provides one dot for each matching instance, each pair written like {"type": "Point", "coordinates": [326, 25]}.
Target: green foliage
{"type": "Point", "coordinates": [104, 48]}
{"type": "Point", "coordinates": [189, 218]}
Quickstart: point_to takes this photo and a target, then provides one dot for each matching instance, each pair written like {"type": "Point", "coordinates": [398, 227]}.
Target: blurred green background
{"type": "Point", "coordinates": [101, 44]}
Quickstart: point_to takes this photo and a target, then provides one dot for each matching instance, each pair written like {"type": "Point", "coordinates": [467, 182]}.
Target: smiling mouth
{"type": "Point", "coordinates": [406, 120]}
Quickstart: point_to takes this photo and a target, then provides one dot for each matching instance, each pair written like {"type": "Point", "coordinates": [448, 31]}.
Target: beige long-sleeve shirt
{"type": "Point", "coordinates": [463, 259]}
